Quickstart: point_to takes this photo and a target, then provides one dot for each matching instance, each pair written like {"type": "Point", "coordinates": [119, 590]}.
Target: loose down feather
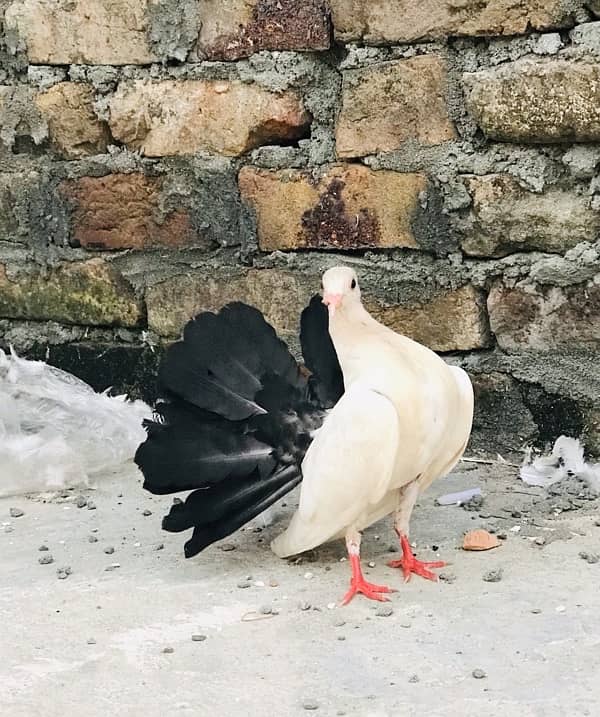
{"type": "Point", "coordinates": [56, 432]}
{"type": "Point", "coordinates": [235, 420]}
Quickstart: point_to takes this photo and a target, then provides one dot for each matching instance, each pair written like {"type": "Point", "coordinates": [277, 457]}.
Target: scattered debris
{"type": "Point", "coordinates": [91, 505]}
{"type": "Point", "coordinates": [480, 540]}
{"type": "Point", "coordinates": [473, 503]}
{"type": "Point", "coordinates": [109, 550]}
{"type": "Point", "coordinates": [458, 498]}
{"type": "Point", "coordinates": [43, 548]}
{"type": "Point", "coordinates": [590, 558]}
{"type": "Point", "coordinates": [447, 577]}
{"type": "Point", "coordinates": [168, 650]}
{"type": "Point", "coordinates": [493, 576]}
{"type": "Point", "coordinates": [81, 501]}
{"type": "Point", "coordinates": [227, 547]}
{"type": "Point", "coordinates": [46, 559]}
{"type": "Point", "coordinates": [413, 679]}
{"type": "Point", "coordinates": [146, 513]}
{"type": "Point", "coordinates": [198, 638]}
{"type": "Point", "coordinates": [92, 539]}
{"type": "Point", "coordinates": [160, 546]}
{"type": "Point", "coordinates": [561, 608]}
{"type": "Point", "coordinates": [478, 674]}
{"type": "Point", "coordinates": [565, 460]}
{"type": "Point", "coordinates": [91, 641]}
{"type": "Point", "coordinates": [16, 513]}
{"type": "Point", "coordinates": [384, 611]}
{"type": "Point", "coordinates": [266, 610]}
{"type": "Point", "coordinates": [536, 610]}
{"type": "Point", "coordinates": [251, 616]}
{"type": "Point", "coordinates": [310, 705]}
{"type": "Point", "coordinates": [243, 584]}
{"type": "Point", "coordinates": [64, 573]}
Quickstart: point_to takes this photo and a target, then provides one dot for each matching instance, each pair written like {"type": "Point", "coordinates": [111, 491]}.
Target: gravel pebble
{"type": "Point", "coordinates": [244, 584]}
{"type": "Point", "coordinates": [371, 564]}
{"type": "Point", "coordinates": [384, 611]}
{"type": "Point", "coordinates": [45, 559]}
{"type": "Point", "coordinates": [198, 638]}
{"type": "Point", "coordinates": [91, 505]}
{"type": "Point", "coordinates": [341, 638]}
{"type": "Point", "coordinates": [339, 623]}
{"type": "Point", "coordinates": [160, 546]}
{"type": "Point", "coordinates": [92, 539]}
{"type": "Point", "coordinates": [91, 641]}
{"type": "Point", "coordinates": [266, 610]}
{"type": "Point", "coordinates": [405, 625]}
{"type": "Point", "coordinates": [63, 573]}
{"type": "Point", "coordinates": [227, 547]}
{"type": "Point", "coordinates": [413, 678]}
{"type": "Point", "coordinates": [536, 610]}
{"type": "Point", "coordinates": [304, 605]}
{"type": "Point", "coordinates": [168, 650]}
{"type": "Point", "coordinates": [310, 705]}
{"type": "Point", "coordinates": [493, 576]}
{"type": "Point", "coordinates": [540, 541]}
{"type": "Point", "coordinates": [478, 674]}
{"type": "Point", "coordinates": [447, 577]}
{"type": "Point", "coordinates": [501, 536]}
{"type": "Point", "coordinates": [109, 550]}
{"type": "Point", "coordinates": [597, 522]}
{"type": "Point", "coordinates": [590, 558]}
{"type": "Point", "coordinates": [81, 501]}
{"type": "Point", "coordinates": [146, 513]}
{"type": "Point", "coordinates": [16, 513]}
{"type": "Point", "coordinates": [43, 548]}
{"type": "Point", "coordinates": [111, 567]}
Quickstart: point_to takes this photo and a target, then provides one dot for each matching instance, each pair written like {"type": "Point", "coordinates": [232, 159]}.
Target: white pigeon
{"type": "Point", "coordinates": [404, 421]}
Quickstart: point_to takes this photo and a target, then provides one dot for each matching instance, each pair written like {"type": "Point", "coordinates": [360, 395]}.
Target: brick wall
{"type": "Point", "coordinates": [158, 157]}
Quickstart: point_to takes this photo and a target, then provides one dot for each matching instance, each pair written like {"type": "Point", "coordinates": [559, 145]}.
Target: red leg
{"type": "Point", "coordinates": [410, 564]}
{"type": "Point", "coordinates": [358, 584]}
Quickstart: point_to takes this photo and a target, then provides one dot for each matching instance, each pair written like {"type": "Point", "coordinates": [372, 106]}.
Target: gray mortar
{"type": "Point", "coordinates": [174, 27]}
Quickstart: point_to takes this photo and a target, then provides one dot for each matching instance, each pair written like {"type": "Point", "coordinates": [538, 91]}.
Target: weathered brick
{"type": "Point", "coordinates": [537, 101]}
{"type": "Point", "coordinates": [505, 217]}
{"type": "Point", "coordinates": [90, 292]}
{"type": "Point", "coordinates": [545, 318]}
{"type": "Point", "coordinates": [452, 321]}
{"type": "Point", "coordinates": [348, 207]}
{"type": "Point", "coordinates": [123, 211]}
{"type": "Point", "coordinates": [175, 117]}
{"type": "Point", "coordinates": [384, 105]}
{"type": "Point", "coordinates": [280, 295]}
{"type": "Point", "coordinates": [380, 22]}
{"type": "Point", "coordinates": [73, 127]}
{"type": "Point", "coordinates": [98, 32]}
{"type": "Point", "coordinates": [238, 28]}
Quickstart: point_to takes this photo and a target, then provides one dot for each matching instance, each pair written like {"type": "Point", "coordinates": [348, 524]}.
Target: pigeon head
{"type": "Point", "coordinates": [340, 288]}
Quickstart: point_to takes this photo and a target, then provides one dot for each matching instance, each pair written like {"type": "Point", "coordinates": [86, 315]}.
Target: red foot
{"type": "Point", "coordinates": [410, 564]}
{"type": "Point", "coordinates": [358, 584]}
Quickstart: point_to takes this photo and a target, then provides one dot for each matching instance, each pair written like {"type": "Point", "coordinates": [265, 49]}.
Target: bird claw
{"type": "Point", "coordinates": [369, 590]}
{"type": "Point", "coordinates": [418, 567]}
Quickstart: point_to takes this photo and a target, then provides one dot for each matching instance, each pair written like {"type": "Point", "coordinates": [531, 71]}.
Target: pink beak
{"type": "Point", "coordinates": [332, 301]}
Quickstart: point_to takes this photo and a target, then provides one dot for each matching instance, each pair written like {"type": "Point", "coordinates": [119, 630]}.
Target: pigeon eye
{"type": "Point", "coordinates": [353, 284]}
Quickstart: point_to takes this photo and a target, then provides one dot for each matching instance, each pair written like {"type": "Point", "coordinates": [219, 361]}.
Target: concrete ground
{"type": "Point", "coordinates": [117, 641]}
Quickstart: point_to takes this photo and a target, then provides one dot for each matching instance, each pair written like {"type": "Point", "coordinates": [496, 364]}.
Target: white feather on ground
{"type": "Point", "coordinates": [566, 459]}
{"type": "Point", "coordinates": [56, 432]}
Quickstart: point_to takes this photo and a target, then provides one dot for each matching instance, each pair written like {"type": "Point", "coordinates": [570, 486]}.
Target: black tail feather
{"type": "Point", "coordinates": [319, 353]}
{"type": "Point", "coordinates": [236, 419]}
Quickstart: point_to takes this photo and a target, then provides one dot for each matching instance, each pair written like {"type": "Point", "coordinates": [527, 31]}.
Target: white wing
{"type": "Point", "coordinates": [347, 470]}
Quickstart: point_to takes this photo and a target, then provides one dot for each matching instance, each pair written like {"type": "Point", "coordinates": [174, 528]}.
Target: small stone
{"type": "Point", "coordinates": [91, 641]}
{"type": "Point", "coordinates": [244, 584]}
{"type": "Point", "coordinates": [501, 536]}
{"type": "Point", "coordinates": [384, 611]}
{"type": "Point", "coordinates": [371, 564]}
{"type": "Point", "coordinates": [516, 514]}
{"type": "Point", "coordinates": [304, 606]}
{"type": "Point", "coordinates": [92, 539]}
{"type": "Point", "coordinates": [146, 513]}
{"type": "Point", "coordinates": [273, 583]}
{"type": "Point", "coordinates": [112, 566]}
{"type": "Point", "coordinates": [447, 577]}
{"type": "Point", "coordinates": [177, 501]}
{"type": "Point", "coordinates": [597, 522]}
{"type": "Point", "coordinates": [561, 608]}
{"type": "Point", "coordinates": [8, 529]}
{"type": "Point", "coordinates": [310, 705]}
{"type": "Point", "coordinates": [266, 610]}
{"type": "Point", "coordinates": [590, 558]}
{"type": "Point", "coordinates": [331, 606]}
{"type": "Point", "coordinates": [339, 623]}
{"type": "Point", "coordinates": [198, 638]}
{"type": "Point", "coordinates": [168, 650]}
{"type": "Point", "coordinates": [227, 547]}
{"type": "Point", "coordinates": [43, 548]}
{"type": "Point", "coordinates": [341, 638]}
{"type": "Point", "coordinates": [16, 513]}
{"type": "Point", "coordinates": [259, 583]}
{"type": "Point", "coordinates": [413, 679]}
{"type": "Point", "coordinates": [46, 559]}
{"type": "Point", "coordinates": [493, 576]}
{"type": "Point", "coordinates": [540, 541]}
{"type": "Point", "coordinates": [109, 550]}
{"type": "Point", "coordinates": [308, 576]}
{"type": "Point", "coordinates": [536, 610]}
{"type": "Point", "coordinates": [91, 505]}
{"type": "Point", "coordinates": [81, 501]}
{"type": "Point", "coordinates": [63, 573]}
{"type": "Point", "coordinates": [160, 546]}
{"type": "Point", "coordinates": [478, 674]}
{"type": "Point", "coordinates": [405, 624]}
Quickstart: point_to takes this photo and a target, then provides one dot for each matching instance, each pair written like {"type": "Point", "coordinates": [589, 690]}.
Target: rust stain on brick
{"type": "Point", "coordinates": [329, 225]}
{"type": "Point", "coordinates": [276, 25]}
